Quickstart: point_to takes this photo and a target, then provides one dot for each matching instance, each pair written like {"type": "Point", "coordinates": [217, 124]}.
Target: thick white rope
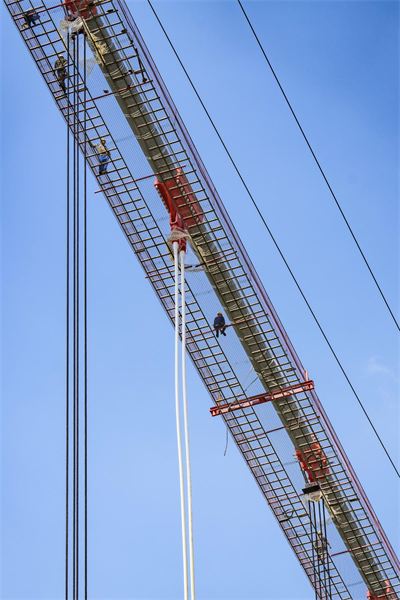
{"type": "Point", "coordinates": [186, 421]}
{"type": "Point", "coordinates": [178, 422]}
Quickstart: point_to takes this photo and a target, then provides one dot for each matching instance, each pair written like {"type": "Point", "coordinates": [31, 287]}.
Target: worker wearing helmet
{"type": "Point", "coordinates": [321, 546]}
{"type": "Point", "coordinates": [61, 71]}
{"type": "Point", "coordinates": [219, 324]}
{"type": "Point", "coordinates": [104, 155]}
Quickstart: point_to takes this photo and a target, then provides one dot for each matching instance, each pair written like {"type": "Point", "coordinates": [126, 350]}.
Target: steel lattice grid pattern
{"type": "Point", "coordinates": [206, 352]}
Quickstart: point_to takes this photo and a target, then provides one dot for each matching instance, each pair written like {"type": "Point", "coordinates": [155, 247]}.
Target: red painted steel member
{"type": "Point", "coordinates": [181, 203]}
{"type": "Point", "coordinates": [313, 461]}
{"type": "Point", "coordinates": [80, 8]}
{"type": "Point", "coordinates": [388, 594]}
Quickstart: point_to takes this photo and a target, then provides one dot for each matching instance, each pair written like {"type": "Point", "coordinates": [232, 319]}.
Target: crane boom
{"type": "Point", "coordinates": [267, 434]}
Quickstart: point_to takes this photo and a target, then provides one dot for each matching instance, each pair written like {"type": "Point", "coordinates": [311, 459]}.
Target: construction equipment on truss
{"type": "Point", "coordinates": [136, 113]}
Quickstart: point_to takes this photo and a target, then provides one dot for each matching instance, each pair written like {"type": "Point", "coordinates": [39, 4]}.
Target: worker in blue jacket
{"type": "Point", "coordinates": [219, 324]}
{"type": "Point", "coordinates": [30, 18]}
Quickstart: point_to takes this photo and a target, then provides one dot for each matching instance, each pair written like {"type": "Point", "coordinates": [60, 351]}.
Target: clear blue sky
{"type": "Point", "coordinates": [338, 63]}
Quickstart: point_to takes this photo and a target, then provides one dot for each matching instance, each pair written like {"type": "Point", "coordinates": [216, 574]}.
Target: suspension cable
{"type": "Point", "coordinates": [85, 308]}
{"type": "Point", "coordinates": [320, 169]}
{"type": "Point", "coordinates": [78, 343]}
{"type": "Point", "coordinates": [76, 359]}
{"type": "Point", "coordinates": [313, 563]}
{"type": "Point", "coordinates": [74, 333]}
{"type": "Point", "coordinates": [67, 350]}
{"type": "Point", "coordinates": [328, 559]}
{"type": "Point", "coordinates": [186, 421]}
{"type": "Point", "coordinates": [178, 423]}
{"type": "Point", "coordinates": [274, 240]}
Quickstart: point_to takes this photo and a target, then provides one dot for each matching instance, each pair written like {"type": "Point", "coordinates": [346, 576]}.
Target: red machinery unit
{"type": "Point", "coordinates": [181, 203]}
{"type": "Point", "coordinates": [313, 461]}
{"type": "Point", "coordinates": [80, 8]}
{"type": "Point", "coordinates": [388, 594]}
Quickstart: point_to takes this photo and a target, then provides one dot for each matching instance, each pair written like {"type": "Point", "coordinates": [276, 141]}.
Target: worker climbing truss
{"type": "Point", "coordinates": [161, 193]}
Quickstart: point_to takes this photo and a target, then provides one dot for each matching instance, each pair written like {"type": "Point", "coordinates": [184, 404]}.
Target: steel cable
{"type": "Point", "coordinates": [320, 168]}
{"type": "Point", "coordinates": [67, 353]}
{"type": "Point", "coordinates": [74, 326]}
{"type": "Point", "coordinates": [74, 338]}
{"type": "Point", "coordinates": [85, 300]}
{"type": "Point", "coordinates": [273, 239]}
{"type": "Point", "coordinates": [77, 313]}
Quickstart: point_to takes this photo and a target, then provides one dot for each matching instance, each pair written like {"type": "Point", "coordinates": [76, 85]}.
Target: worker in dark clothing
{"type": "Point", "coordinates": [219, 324]}
{"type": "Point", "coordinates": [104, 155]}
{"type": "Point", "coordinates": [61, 71]}
{"type": "Point", "coordinates": [321, 546]}
{"type": "Point", "coordinates": [30, 17]}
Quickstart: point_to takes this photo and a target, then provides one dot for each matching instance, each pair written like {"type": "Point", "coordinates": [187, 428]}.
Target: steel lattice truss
{"type": "Point", "coordinates": [137, 114]}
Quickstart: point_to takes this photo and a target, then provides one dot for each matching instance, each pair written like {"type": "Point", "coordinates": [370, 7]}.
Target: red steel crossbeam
{"type": "Point", "coordinates": [123, 89]}
{"type": "Point", "coordinates": [41, 9]}
{"type": "Point", "coordinates": [353, 549]}
{"type": "Point", "coordinates": [133, 180]}
{"type": "Point", "coordinates": [306, 386]}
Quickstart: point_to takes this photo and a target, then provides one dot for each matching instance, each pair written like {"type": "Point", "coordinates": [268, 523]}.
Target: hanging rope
{"type": "Point", "coordinates": [186, 421]}
{"type": "Point", "coordinates": [178, 422]}
{"type": "Point", "coordinates": [182, 253]}
{"type": "Point", "coordinates": [227, 439]}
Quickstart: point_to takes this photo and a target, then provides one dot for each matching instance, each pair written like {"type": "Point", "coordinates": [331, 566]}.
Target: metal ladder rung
{"type": "Point", "coordinates": [123, 204]}
{"type": "Point", "coordinates": [125, 59]}
{"type": "Point", "coordinates": [44, 32]}
{"type": "Point", "coordinates": [130, 219]}
{"type": "Point", "coordinates": [151, 123]}
{"type": "Point", "coordinates": [117, 49]}
{"type": "Point", "coordinates": [137, 104]}
{"type": "Point", "coordinates": [40, 46]}
{"type": "Point", "coordinates": [23, 12]}
{"type": "Point", "coordinates": [149, 113]}
{"type": "Point", "coordinates": [104, 38]}
{"type": "Point", "coordinates": [163, 145]}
